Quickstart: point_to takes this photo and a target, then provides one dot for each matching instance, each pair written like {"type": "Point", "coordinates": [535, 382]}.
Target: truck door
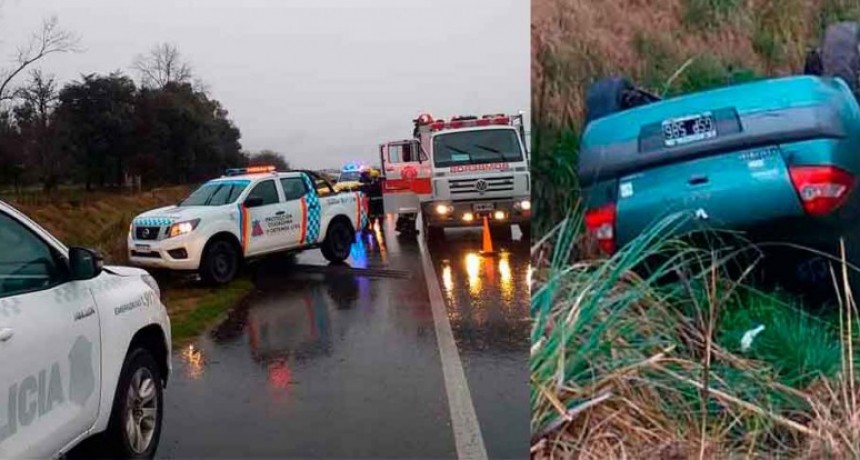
{"type": "Point", "coordinates": [407, 177]}
{"type": "Point", "coordinates": [50, 347]}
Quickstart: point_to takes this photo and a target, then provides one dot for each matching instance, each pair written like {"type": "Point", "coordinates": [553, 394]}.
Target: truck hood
{"type": "Point", "coordinates": [120, 270]}
{"type": "Point", "coordinates": [178, 213]}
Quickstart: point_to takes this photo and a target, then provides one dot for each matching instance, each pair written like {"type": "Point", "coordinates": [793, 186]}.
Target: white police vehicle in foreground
{"type": "Point", "coordinates": [84, 349]}
{"type": "Point", "coordinates": [249, 212]}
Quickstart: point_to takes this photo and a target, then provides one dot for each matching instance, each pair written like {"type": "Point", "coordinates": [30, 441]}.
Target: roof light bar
{"type": "Point", "coordinates": [250, 170]}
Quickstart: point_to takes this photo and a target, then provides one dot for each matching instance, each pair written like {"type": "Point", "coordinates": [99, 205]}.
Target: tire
{"type": "Point", "coordinates": [220, 262]}
{"type": "Point", "coordinates": [338, 240]}
{"type": "Point", "coordinates": [501, 232]}
{"type": "Point", "coordinates": [134, 396]}
{"type": "Point", "coordinates": [605, 97]}
{"type": "Point", "coordinates": [432, 233]}
{"type": "Point", "coordinates": [526, 230]}
{"type": "Point", "coordinates": [839, 55]}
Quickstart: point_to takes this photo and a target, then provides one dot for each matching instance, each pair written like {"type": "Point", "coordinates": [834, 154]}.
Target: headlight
{"type": "Point", "coordinates": [150, 281]}
{"type": "Point", "coordinates": [181, 228]}
{"type": "Point", "coordinates": [524, 205]}
{"type": "Point", "coordinates": [443, 209]}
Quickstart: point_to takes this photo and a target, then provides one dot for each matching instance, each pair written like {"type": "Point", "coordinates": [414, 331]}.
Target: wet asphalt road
{"type": "Point", "coordinates": [342, 362]}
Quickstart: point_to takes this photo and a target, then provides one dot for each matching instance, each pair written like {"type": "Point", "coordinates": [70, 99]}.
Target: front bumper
{"type": "Point", "coordinates": [167, 253]}
{"type": "Point", "coordinates": [513, 212]}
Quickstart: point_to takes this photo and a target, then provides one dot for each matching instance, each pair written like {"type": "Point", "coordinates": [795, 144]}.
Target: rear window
{"type": "Point", "coordinates": [476, 147]}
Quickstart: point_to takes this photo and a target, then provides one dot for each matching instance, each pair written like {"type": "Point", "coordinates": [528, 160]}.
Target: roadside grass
{"type": "Point", "coordinates": [709, 13]}
{"type": "Point", "coordinates": [100, 220]}
{"type": "Point", "coordinates": [193, 309]}
{"type": "Point", "coordinates": [628, 363]}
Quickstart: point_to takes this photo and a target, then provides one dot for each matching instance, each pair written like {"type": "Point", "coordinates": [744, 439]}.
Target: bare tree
{"type": "Point", "coordinates": [162, 65]}
{"type": "Point", "coordinates": [49, 40]}
{"type": "Point", "coordinates": [39, 99]}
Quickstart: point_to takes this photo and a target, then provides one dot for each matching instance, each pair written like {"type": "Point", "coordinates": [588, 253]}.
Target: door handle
{"type": "Point", "coordinates": [6, 334]}
{"type": "Point", "coordinates": [280, 213]}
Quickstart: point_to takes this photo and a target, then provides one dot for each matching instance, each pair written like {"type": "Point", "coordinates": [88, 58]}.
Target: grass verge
{"type": "Point", "coordinates": [193, 309]}
{"type": "Point", "coordinates": [634, 363]}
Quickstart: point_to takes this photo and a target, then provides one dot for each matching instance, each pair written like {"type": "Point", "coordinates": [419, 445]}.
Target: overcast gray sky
{"type": "Point", "coordinates": [320, 81]}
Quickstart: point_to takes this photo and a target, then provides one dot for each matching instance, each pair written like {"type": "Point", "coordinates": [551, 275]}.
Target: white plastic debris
{"type": "Point", "coordinates": [749, 336]}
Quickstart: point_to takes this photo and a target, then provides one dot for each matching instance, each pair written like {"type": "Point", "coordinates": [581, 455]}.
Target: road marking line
{"type": "Point", "coordinates": [464, 421]}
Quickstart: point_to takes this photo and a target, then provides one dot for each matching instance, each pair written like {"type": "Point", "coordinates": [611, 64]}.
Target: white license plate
{"type": "Point", "coordinates": [482, 207]}
{"type": "Point", "coordinates": [692, 128]}
{"type": "Point", "coordinates": [142, 247]}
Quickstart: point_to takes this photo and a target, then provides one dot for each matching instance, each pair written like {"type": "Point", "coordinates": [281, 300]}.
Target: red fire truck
{"type": "Point", "coordinates": [456, 172]}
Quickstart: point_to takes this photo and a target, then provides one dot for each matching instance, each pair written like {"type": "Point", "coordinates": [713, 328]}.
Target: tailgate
{"type": "Point", "coordinates": [735, 191]}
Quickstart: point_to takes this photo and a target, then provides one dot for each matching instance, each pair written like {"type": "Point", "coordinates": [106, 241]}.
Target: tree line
{"type": "Point", "coordinates": [109, 131]}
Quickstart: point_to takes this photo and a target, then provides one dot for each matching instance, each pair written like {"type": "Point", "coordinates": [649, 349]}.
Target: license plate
{"type": "Point", "coordinates": [482, 207]}
{"type": "Point", "coordinates": [692, 128]}
{"type": "Point", "coordinates": [142, 247]}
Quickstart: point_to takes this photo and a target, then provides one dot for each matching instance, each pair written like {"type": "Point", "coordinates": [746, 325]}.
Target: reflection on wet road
{"type": "Point", "coordinates": [342, 361]}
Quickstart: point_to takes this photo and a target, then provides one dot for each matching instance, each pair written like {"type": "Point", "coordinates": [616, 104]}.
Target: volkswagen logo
{"type": "Point", "coordinates": [145, 233]}
{"type": "Point", "coordinates": [481, 185]}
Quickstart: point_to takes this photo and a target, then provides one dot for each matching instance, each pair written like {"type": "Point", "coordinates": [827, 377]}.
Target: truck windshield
{"type": "Point", "coordinates": [216, 193]}
{"type": "Point", "coordinates": [476, 147]}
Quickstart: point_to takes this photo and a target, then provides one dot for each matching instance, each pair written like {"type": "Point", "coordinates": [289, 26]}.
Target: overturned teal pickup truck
{"type": "Point", "coordinates": [778, 158]}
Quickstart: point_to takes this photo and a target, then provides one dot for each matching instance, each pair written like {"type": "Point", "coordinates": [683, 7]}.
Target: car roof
{"type": "Point", "coordinates": [256, 176]}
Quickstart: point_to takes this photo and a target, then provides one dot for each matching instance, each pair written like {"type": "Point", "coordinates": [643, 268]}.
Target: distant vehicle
{"type": "Point", "coordinates": [85, 348]}
{"type": "Point", "coordinates": [779, 157]}
{"type": "Point", "coordinates": [458, 172]}
{"type": "Point", "coordinates": [247, 213]}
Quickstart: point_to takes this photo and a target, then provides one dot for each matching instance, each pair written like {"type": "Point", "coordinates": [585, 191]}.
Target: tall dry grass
{"type": "Point", "coordinates": [631, 363]}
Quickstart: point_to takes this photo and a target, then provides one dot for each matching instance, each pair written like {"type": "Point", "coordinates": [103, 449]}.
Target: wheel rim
{"type": "Point", "coordinates": [141, 413]}
{"type": "Point", "coordinates": [341, 241]}
{"type": "Point", "coordinates": [222, 263]}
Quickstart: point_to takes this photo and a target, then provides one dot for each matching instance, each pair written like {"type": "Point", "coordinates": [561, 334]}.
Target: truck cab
{"type": "Point", "coordinates": [249, 212]}
{"type": "Point", "coordinates": [457, 173]}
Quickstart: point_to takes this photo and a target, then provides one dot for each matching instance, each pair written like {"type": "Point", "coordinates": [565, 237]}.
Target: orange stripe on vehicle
{"type": "Point", "coordinates": [246, 222]}
{"type": "Point", "coordinates": [304, 220]}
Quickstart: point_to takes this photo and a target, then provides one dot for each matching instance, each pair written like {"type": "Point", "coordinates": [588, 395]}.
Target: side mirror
{"type": "Point", "coordinates": [253, 202]}
{"type": "Point", "coordinates": [84, 263]}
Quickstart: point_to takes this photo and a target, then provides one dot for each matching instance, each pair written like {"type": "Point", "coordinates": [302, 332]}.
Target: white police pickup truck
{"type": "Point", "coordinates": [248, 212]}
{"type": "Point", "coordinates": [84, 349]}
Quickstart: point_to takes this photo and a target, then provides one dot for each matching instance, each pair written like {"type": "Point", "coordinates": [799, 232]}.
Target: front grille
{"type": "Point", "coordinates": [146, 233]}
{"type": "Point", "coordinates": [493, 184]}
{"type": "Point", "coordinates": [150, 255]}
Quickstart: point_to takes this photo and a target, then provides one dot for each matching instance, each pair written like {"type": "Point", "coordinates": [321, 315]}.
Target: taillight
{"type": "Point", "coordinates": [821, 188]}
{"type": "Point", "coordinates": [600, 223]}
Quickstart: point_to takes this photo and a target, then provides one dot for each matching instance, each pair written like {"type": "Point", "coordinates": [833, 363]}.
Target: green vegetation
{"type": "Point", "coordinates": [195, 308]}
{"type": "Point", "coordinates": [709, 13]}
{"type": "Point", "coordinates": [641, 363]}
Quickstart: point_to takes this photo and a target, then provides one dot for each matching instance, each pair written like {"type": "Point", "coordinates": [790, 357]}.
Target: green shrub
{"type": "Point", "coordinates": [709, 13]}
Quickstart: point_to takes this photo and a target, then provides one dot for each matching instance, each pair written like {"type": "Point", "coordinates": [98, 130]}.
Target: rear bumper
{"type": "Point", "coordinates": [510, 207]}
{"type": "Point", "coordinates": [166, 254]}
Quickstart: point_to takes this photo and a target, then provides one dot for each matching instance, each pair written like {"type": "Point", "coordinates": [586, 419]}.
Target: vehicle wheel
{"type": "Point", "coordinates": [501, 232]}
{"type": "Point", "coordinates": [135, 423]}
{"type": "Point", "coordinates": [338, 240]}
{"type": "Point", "coordinates": [526, 230]}
{"type": "Point", "coordinates": [431, 233]}
{"type": "Point", "coordinates": [220, 262]}
{"type": "Point", "coordinates": [839, 54]}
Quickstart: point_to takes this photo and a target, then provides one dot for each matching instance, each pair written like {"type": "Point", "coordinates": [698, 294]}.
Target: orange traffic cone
{"type": "Point", "coordinates": [487, 248]}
